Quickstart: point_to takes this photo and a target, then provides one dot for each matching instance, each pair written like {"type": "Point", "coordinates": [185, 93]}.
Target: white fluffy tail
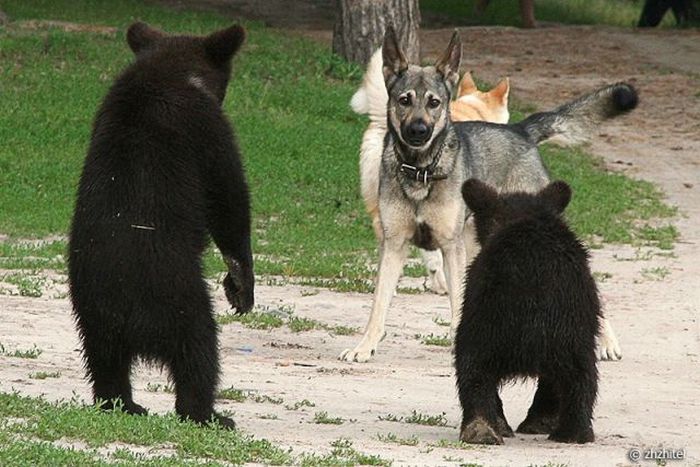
{"type": "Point", "coordinates": [372, 97]}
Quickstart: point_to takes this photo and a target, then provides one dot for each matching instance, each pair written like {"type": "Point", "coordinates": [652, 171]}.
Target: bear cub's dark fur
{"type": "Point", "coordinates": [162, 174]}
{"type": "Point", "coordinates": [531, 309]}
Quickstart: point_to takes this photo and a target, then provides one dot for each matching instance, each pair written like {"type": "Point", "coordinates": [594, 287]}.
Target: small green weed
{"type": "Point", "coordinates": [393, 439]}
{"type": "Point", "coordinates": [265, 399]}
{"type": "Point", "coordinates": [27, 285]}
{"type": "Point", "coordinates": [168, 388]}
{"type": "Point", "coordinates": [300, 404]}
{"type": "Point", "coordinates": [232, 394]}
{"type": "Point", "coordinates": [323, 418]}
{"type": "Point", "coordinates": [32, 353]}
{"type": "Point", "coordinates": [299, 324]}
{"type": "Point", "coordinates": [441, 322]}
{"type": "Point", "coordinates": [389, 418]}
{"type": "Point", "coordinates": [45, 375]}
{"type": "Point", "coordinates": [452, 444]}
{"type": "Point", "coordinates": [656, 274]}
{"type": "Point", "coordinates": [422, 419]}
{"type": "Point", "coordinates": [432, 339]}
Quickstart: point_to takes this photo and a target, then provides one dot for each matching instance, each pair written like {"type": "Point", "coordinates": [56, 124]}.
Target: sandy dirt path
{"type": "Point", "coordinates": [649, 399]}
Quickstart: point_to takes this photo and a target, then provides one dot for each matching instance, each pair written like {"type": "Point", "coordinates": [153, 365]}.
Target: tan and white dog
{"type": "Point", "coordinates": [371, 99]}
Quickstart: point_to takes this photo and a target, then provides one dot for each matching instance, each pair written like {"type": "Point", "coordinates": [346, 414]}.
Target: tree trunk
{"type": "Point", "coordinates": [360, 25]}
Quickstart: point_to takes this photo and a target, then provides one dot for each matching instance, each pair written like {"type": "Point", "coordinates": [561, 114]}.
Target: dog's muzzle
{"type": "Point", "coordinates": [417, 133]}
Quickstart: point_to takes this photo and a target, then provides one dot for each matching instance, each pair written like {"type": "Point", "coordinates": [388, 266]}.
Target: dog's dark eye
{"type": "Point", "coordinates": [433, 103]}
{"type": "Point", "coordinates": [405, 100]}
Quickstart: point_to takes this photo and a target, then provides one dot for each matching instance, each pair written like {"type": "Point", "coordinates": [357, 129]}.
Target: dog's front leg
{"type": "Point", "coordinates": [393, 256]}
{"type": "Point", "coordinates": [455, 256]}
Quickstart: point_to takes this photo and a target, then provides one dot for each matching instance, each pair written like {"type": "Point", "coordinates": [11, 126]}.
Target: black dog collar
{"type": "Point", "coordinates": [418, 174]}
{"type": "Point", "coordinates": [422, 174]}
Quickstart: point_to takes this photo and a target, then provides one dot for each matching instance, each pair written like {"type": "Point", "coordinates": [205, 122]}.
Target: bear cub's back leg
{"type": "Point", "coordinates": [194, 365]}
{"type": "Point", "coordinates": [543, 415]}
{"type": "Point", "coordinates": [481, 407]}
{"type": "Point", "coordinates": [578, 394]}
{"type": "Point", "coordinates": [109, 369]}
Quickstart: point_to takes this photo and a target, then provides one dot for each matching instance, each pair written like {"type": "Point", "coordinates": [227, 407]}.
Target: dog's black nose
{"type": "Point", "coordinates": [418, 132]}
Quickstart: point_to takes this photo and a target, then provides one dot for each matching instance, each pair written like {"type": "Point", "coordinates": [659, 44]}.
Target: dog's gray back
{"type": "Point", "coordinates": [502, 156]}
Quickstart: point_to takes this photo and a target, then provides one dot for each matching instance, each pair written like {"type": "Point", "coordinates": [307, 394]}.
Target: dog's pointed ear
{"type": "Point", "coordinates": [557, 195]}
{"type": "Point", "coordinates": [479, 196]}
{"type": "Point", "coordinates": [500, 91]}
{"type": "Point", "coordinates": [467, 85]}
{"type": "Point", "coordinates": [141, 36]}
{"type": "Point", "coordinates": [395, 61]}
{"type": "Point", "coordinates": [448, 64]}
{"type": "Point", "coordinates": [222, 45]}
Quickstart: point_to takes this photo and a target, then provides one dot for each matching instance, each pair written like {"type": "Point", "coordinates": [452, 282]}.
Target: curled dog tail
{"type": "Point", "coordinates": [575, 121]}
{"type": "Point", "coordinates": [372, 97]}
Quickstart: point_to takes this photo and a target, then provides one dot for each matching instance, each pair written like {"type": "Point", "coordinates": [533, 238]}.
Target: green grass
{"type": "Point", "coordinates": [435, 340]}
{"type": "Point", "coordinates": [452, 444]}
{"type": "Point", "coordinates": [266, 317]}
{"type": "Point", "coordinates": [440, 321]}
{"type": "Point", "coordinates": [392, 438]}
{"type": "Point", "coordinates": [655, 274]}
{"type": "Point", "coordinates": [299, 324]}
{"type": "Point", "coordinates": [27, 285]}
{"type": "Point", "coordinates": [259, 318]}
{"type": "Point", "coordinates": [322, 418]}
{"type": "Point", "coordinates": [623, 13]}
{"type": "Point", "coordinates": [157, 387]}
{"type": "Point", "coordinates": [232, 394]}
{"type": "Point", "coordinates": [31, 354]}
{"type": "Point", "coordinates": [29, 427]}
{"type": "Point", "coordinates": [45, 374]}
{"type": "Point", "coordinates": [418, 418]}
{"type": "Point", "coordinates": [238, 395]}
{"type": "Point", "coordinates": [342, 454]}
{"type": "Point", "coordinates": [288, 100]}
{"type": "Point", "coordinates": [298, 405]}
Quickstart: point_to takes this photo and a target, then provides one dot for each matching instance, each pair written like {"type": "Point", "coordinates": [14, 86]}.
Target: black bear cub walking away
{"type": "Point", "coordinates": [162, 174]}
{"type": "Point", "coordinates": [531, 309]}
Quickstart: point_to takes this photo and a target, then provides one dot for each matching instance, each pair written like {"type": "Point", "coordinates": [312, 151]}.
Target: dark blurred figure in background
{"type": "Point", "coordinates": [654, 11]}
{"type": "Point", "coordinates": [527, 11]}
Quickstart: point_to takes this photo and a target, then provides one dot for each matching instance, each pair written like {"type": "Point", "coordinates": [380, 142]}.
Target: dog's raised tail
{"type": "Point", "coordinates": [372, 97]}
{"type": "Point", "coordinates": [575, 121]}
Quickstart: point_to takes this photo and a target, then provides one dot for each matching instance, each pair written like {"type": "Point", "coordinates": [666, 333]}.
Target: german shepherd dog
{"type": "Point", "coordinates": [426, 159]}
{"type": "Point", "coordinates": [371, 99]}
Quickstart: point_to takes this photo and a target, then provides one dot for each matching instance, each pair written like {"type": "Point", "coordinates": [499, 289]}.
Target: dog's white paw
{"type": "Point", "coordinates": [608, 347]}
{"type": "Point", "coordinates": [438, 282]}
{"type": "Point", "coordinates": [362, 353]}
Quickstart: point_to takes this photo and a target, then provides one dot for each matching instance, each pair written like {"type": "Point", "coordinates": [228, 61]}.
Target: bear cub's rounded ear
{"type": "Point", "coordinates": [557, 195]}
{"type": "Point", "coordinates": [479, 196]}
{"type": "Point", "coordinates": [222, 45]}
{"type": "Point", "coordinates": [141, 36]}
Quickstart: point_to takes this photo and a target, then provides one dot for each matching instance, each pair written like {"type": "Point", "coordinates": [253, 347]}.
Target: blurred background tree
{"type": "Point", "coordinates": [360, 25]}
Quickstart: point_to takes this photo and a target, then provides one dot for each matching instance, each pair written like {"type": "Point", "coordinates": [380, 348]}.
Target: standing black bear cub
{"type": "Point", "coordinates": [531, 309]}
{"type": "Point", "coordinates": [161, 175]}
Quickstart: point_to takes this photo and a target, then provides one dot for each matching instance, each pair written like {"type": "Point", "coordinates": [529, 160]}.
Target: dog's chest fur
{"type": "Point", "coordinates": [427, 214]}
